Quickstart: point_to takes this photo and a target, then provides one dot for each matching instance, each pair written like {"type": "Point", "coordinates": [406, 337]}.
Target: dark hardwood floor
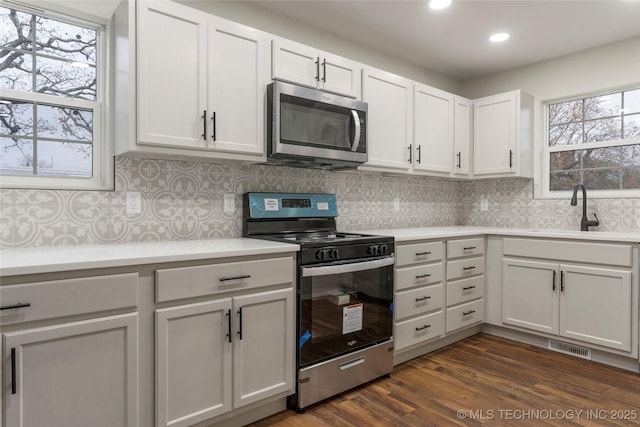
{"type": "Point", "coordinates": [483, 380]}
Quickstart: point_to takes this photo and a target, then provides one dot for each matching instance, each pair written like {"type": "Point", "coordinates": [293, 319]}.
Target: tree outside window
{"type": "Point", "coordinates": [595, 141]}
{"type": "Point", "coordinates": [48, 77]}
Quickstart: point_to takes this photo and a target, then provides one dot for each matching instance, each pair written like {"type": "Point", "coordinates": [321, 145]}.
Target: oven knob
{"type": "Point", "coordinates": [373, 250]}
{"type": "Point", "coordinates": [383, 249]}
{"type": "Point", "coordinates": [320, 254]}
{"type": "Point", "coordinates": [334, 254]}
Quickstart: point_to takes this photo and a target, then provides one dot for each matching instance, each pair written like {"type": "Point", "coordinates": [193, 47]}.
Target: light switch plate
{"type": "Point", "coordinates": [484, 205]}
{"type": "Point", "coordinates": [396, 205]}
{"type": "Point", "coordinates": [229, 203]}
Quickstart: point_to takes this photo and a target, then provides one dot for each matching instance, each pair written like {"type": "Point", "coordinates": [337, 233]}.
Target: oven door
{"type": "Point", "coordinates": [344, 307]}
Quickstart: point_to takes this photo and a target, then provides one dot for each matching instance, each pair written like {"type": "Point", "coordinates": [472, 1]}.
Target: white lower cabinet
{"type": "Point", "coordinates": [193, 362]}
{"type": "Point", "coordinates": [73, 374]}
{"type": "Point", "coordinates": [465, 283]}
{"type": "Point", "coordinates": [215, 356]}
{"type": "Point", "coordinates": [581, 291]}
{"type": "Point", "coordinates": [59, 371]}
{"type": "Point", "coordinates": [590, 304]}
{"type": "Point", "coordinates": [419, 294]}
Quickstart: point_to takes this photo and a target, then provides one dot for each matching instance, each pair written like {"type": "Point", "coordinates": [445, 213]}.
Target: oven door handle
{"type": "Point", "coordinates": [327, 270]}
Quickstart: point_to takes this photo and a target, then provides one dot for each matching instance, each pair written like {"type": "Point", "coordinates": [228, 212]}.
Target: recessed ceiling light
{"type": "Point", "coordinates": [439, 4]}
{"type": "Point", "coordinates": [499, 37]}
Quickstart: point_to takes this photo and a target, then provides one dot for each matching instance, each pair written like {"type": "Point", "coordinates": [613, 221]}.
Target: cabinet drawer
{"type": "Point", "coordinates": [187, 282]}
{"type": "Point", "coordinates": [419, 275]}
{"type": "Point", "coordinates": [68, 297]}
{"type": "Point", "coordinates": [465, 247]}
{"type": "Point", "coordinates": [465, 290]}
{"type": "Point", "coordinates": [585, 252]}
{"type": "Point", "coordinates": [420, 329]}
{"type": "Point", "coordinates": [419, 252]}
{"type": "Point", "coordinates": [465, 267]}
{"type": "Point", "coordinates": [418, 301]}
{"type": "Point", "coordinates": [464, 315]}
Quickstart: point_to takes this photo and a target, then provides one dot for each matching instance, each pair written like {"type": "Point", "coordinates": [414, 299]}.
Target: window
{"type": "Point", "coordinates": [52, 78]}
{"type": "Point", "coordinates": [595, 141]}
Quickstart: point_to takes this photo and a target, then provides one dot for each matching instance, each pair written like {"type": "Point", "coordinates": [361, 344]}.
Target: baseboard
{"type": "Point", "coordinates": [617, 361]}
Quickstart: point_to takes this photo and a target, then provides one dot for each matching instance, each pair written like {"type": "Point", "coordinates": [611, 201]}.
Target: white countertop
{"type": "Point", "coordinates": [408, 234]}
{"type": "Point", "coordinates": [64, 258]}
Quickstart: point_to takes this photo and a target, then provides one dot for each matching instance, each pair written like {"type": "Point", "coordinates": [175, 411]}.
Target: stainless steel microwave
{"type": "Point", "coordinates": [310, 128]}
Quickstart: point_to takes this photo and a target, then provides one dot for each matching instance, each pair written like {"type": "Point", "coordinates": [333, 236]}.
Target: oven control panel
{"type": "Point", "coordinates": [290, 205]}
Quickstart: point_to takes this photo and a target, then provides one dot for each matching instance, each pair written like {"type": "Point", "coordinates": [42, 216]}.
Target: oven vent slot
{"type": "Point", "coordinates": [570, 349]}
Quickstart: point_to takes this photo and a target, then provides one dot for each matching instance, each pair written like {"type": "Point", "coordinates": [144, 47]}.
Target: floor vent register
{"type": "Point", "coordinates": [571, 349]}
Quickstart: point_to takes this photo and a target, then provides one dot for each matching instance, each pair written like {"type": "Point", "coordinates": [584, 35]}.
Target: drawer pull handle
{"type": "Point", "coordinates": [242, 276]}
{"type": "Point", "coordinates": [13, 371]}
{"type": "Point", "coordinates": [466, 288]}
{"type": "Point", "coordinates": [468, 248]}
{"type": "Point", "coordinates": [422, 276]}
{"type": "Point", "coordinates": [466, 313]}
{"type": "Point", "coordinates": [350, 364]}
{"type": "Point", "coordinates": [422, 327]}
{"type": "Point", "coordinates": [423, 298]}
{"type": "Point", "coordinates": [18, 305]}
{"type": "Point", "coordinates": [468, 268]}
{"type": "Point", "coordinates": [423, 253]}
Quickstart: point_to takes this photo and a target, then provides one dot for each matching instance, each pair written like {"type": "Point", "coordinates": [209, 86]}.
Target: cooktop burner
{"type": "Point", "coordinates": [319, 238]}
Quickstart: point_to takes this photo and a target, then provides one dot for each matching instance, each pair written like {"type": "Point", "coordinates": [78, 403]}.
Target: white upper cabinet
{"type": "Point", "coordinates": [389, 132]}
{"type": "Point", "coordinates": [200, 86]}
{"type": "Point", "coordinates": [296, 63]}
{"type": "Point", "coordinates": [172, 83]}
{"type": "Point", "coordinates": [237, 84]}
{"type": "Point", "coordinates": [503, 135]}
{"type": "Point", "coordinates": [462, 137]}
{"type": "Point", "coordinates": [433, 137]}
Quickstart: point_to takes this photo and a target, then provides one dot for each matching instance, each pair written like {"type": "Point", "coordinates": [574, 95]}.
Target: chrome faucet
{"type": "Point", "coordinates": [585, 223]}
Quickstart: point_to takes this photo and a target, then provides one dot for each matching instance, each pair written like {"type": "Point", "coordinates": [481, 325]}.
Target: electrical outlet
{"type": "Point", "coordinates": [134, 202]}
{"type": "Point", "coordinates": [484, 205]}
{"type": "Point", "coordinates": [229, 203]}
{"type": "Point", "coordinates": [396, 205]}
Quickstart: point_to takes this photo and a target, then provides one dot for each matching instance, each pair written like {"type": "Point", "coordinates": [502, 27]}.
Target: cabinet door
{"type": "Point", "coordinates": [389, 119]}
{"type": "Point", "coordinates": [433, 129]}
{"type": "Point", "coordinates": [237, 87]}
{"type": "Point", "coordinates": [263, 346]}
{"type": "Point", "coordinates": [193, 362]}
{"type": "Point", "coordinates": [75, 374]}
{"type": "Point", "coordinates": [462, 136]}
{"type": "Point", "coordinates": [530, 294]}
{"type": "Point", "coordinates": [494, 135]}
{"type": "Point", "coordinates": [595, 306]}
{"type": "Point", "coordinates": [172, 87]}
{"type": "Point", "coordinates": [340, 75]}
{"type": "Point", "coordinates": [295, 63]}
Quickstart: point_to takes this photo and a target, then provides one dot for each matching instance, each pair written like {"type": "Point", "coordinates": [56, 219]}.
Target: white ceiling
{"type": "Point", "coordinates": [454, 41]}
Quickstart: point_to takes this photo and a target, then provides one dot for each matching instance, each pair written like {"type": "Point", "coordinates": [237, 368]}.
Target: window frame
{"type": "Point", "coordinates": [102, 153]}
{"type": "Point", "coordinates": [547, 150]}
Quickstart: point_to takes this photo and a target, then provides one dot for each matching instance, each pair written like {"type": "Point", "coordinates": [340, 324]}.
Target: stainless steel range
{"type": "Point", "coordinates": [344, 292]}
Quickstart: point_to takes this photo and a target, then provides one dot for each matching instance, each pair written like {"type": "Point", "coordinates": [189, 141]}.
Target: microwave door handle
{"type": "Point", "coordinates": [356, 137]}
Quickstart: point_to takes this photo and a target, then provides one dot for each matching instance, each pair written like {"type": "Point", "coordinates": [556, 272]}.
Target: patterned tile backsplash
{"type": "Point", "coordinates": [184, 200]}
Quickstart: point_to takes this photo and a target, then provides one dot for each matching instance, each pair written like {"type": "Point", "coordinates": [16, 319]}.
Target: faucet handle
{"type": "Point", "coordinates": [594, 223]}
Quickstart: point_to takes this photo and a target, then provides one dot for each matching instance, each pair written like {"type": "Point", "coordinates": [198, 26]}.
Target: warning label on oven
{"type": "Point", "coordinates": [270, 204]}
{"type": "Point", "coordinates": [351, 318]}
